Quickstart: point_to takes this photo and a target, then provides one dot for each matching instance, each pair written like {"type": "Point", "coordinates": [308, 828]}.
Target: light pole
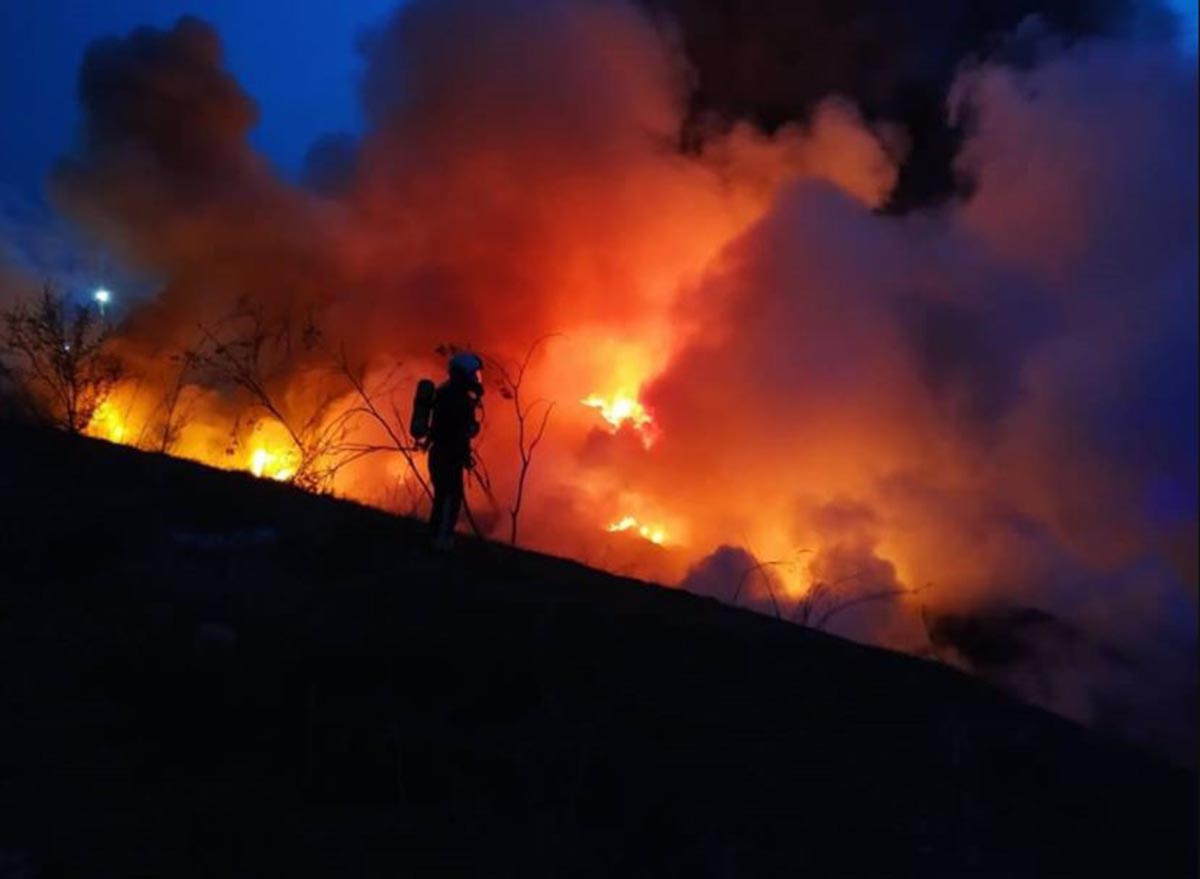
{"type": "Point", "coordinates": [102, 297]}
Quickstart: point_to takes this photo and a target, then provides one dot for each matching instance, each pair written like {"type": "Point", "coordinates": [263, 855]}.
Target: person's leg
{"type": "Point", "coordinates": [446, 473]}
{"type": "Point", "coordinates": [455, 491]}
{"type": "Point", "coordinates": [437, 478]}
{"type": "Point", "coordinates": [436, 511]}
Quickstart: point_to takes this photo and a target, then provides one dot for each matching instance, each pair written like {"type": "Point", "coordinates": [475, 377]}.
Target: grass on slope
{"type": "Point", "coordinates": [204, 674]}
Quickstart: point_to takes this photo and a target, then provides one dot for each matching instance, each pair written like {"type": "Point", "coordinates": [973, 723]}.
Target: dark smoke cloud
{"type": "Point", "coordinates": [773, 61]}
{"type": "Point", "coordinates": [166, 179]}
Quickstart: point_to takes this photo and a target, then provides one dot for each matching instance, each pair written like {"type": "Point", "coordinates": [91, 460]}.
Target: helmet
{"type": "Point", "coordinates": [466, 364]}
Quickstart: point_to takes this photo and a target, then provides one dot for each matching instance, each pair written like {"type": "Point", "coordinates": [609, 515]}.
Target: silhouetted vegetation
{"type": "Point", "coordinates": [256, 355]}
{"type": "Point", "coordinates": [530, 427]}
{"type": "Point", "coordinates": [822, 601]}
{"type": "Point", "coordinates": [55, 357]}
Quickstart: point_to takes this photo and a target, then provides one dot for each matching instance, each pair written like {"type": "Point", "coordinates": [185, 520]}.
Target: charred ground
{"type": "Point", "coordinates": [204, 674]}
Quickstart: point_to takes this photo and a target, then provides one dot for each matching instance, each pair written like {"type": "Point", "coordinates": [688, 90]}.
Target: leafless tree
{"type": "Point", "coordinates": [57, 352]}
{"type": "Point", "coordinates": [823, 600]}
{"type": "Point", "coordinates": [761, 569]}
{"type": "Point", "coordinates": [532, 420]}
{"type": "Point", "coordinates": [370, 403]}
{"type": "Point", "coordinates": [175, 412]}
{"type": "Point", "coordinates": [164, 424]}
{"type": "Point", "coordinates": [249, 352]}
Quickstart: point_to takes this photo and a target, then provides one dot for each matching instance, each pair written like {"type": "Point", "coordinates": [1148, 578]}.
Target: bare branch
{"type": "Point", "coordinates": [249, 353]}
{"type": "Point", "coordinates": [512, 378]}
{"type": "Point", "coordinates": [861, 599]}
{"type": "Point", "coordinates": [395, 427]}
{"type": "Point", "coordinates": [760, 568]}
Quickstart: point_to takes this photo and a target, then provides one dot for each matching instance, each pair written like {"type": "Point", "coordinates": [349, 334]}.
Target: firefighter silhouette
{"type": "Point", "coordinates": [445, 418]}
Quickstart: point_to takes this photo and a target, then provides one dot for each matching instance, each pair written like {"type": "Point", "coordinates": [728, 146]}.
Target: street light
{"type": "Point", "coordinates": [102, 297]}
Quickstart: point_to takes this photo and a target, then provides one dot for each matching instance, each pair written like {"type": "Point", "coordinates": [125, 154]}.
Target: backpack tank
{"type": "Point", "coordinates": [422, 411]}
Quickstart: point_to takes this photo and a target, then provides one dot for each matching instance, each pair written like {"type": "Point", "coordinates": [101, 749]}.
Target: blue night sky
{"type": "Point", "coordinates": [297, 58]}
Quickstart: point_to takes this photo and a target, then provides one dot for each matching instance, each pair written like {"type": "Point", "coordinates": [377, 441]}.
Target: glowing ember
{"type": "Point", "coordinates": [107, 423]}
{"type": "Point", "coordinates": [653, 533]}
{"type": "Point", "coordinates": [264, 463]}
{"type": "Point", "coordinates": [623, 409]}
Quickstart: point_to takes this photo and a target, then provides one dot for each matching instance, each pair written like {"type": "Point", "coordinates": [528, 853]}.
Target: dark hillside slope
{"type": "Point", "coordinates": [204, 674]}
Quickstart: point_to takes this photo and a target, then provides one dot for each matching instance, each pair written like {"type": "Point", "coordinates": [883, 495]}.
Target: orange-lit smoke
{"type": "Point", "coordinates": [959, 405]}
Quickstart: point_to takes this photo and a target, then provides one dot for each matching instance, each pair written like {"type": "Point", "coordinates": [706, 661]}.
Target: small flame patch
{"type": "Point", "coordinates": [270, 465]}
{"type": "Point", "coordinates": [107, 423]}
{"type": "Point", "coordinates": [654, 533]}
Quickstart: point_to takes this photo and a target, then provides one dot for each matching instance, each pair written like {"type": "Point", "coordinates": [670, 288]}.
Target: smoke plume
{"type": "Point", "coordinates": [988, 402]}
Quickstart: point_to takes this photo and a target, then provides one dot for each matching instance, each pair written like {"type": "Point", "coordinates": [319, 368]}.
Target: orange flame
{"type": "Point", "coordinates": [265, 463]}
{"type": "Point", "coordinates": [621, 409]}
{"type": "Point", "coordinates": [654, 533]}
{"type": "Point", "coordinates": [107, 423]}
